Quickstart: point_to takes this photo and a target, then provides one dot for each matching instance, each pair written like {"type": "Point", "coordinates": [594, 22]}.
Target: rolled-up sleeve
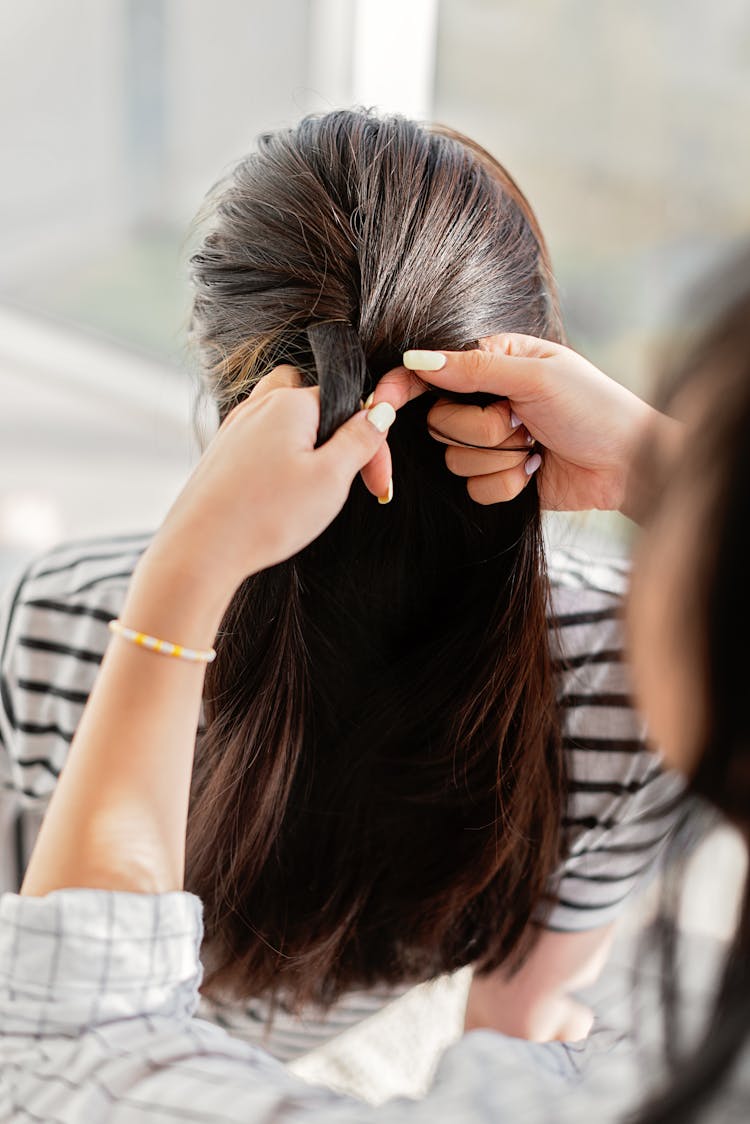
{"type": "Point", "coordinates": [80, 957]}
{"type": "Point", "coordinates": [97, 995]}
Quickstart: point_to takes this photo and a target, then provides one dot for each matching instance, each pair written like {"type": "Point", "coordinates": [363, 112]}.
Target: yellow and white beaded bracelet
{"type": "Point", "coordinates": [154, 644]}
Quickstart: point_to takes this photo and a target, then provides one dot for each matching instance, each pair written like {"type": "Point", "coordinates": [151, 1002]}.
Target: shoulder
{"type": "Point", "coordinates": [590, 661]}
{"type": "Point", "coordinates": [586, 593]}
{"type": "Point", "coordinates": [572, 568]}
{"type": "Point", "coordinates": [78, 569]}
{"type": "Point", "coordinates": [621, 803]}
{"type": "Point", "coordinates": [53, 633]}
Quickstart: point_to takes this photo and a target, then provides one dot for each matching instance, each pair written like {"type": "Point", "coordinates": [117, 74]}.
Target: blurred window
{"type": "Point", "coordinates": [125, 112]}
{"type": "Point", "coordinates": [627, 127]}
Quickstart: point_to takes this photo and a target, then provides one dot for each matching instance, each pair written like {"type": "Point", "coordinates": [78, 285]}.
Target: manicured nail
{"type": "Point", "coordinates": [532, 464]}
{"type": "Point", "coordinates": [382, 416]}
{"type": "Point", "coordinates": [368, 400]}
{"type": "Point", "coordinates": [424, 360]}
{"type": "Point", "coordinates": [388, 495]}
{"type": "Point", "coordinates": [515, 421]}
{"type": "Point", "coordinates": [529, 439]}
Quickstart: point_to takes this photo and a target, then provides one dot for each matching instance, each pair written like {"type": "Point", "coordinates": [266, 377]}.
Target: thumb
{"type": "Point", "coordinates": [356, 442]}
{"type": "Point", "coordinates": [508, 366]}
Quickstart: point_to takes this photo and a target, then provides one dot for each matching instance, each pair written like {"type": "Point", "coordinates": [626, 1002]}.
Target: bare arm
{"type": "Point", "coordinates": [536, 1002]}
{"type": "Point", "coordinates": [117, 818]}
{"type": "Point", "coordinates": [259, 494]}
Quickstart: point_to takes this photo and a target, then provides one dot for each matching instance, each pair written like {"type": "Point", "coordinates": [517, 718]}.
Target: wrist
{"type": "Point", "coordinates": [653, 426]}
{"type": "Point", "coordinates": [172, 600]}
{"type": "Point", "coordinates": [645, 423]}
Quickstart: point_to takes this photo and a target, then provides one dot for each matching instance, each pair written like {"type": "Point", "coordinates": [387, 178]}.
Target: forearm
{"type": "Point", "coordinates": [261, 492]}
{"type": "Point", "coordinates": [649, 426]}
{"type": "Point", "coordinates": [538, 1018]}
{"type": "Point", "coordinates": [118, 816]}
{"type": "Point", "coordinates": [536, 1001]}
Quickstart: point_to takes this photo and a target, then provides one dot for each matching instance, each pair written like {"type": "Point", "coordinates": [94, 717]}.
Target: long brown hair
{"type": "Point", "coordinates": [377, 795]}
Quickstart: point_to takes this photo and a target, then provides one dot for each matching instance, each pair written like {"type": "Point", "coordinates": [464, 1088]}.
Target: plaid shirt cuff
{"type": "Point", "coordinates": [77, 958]}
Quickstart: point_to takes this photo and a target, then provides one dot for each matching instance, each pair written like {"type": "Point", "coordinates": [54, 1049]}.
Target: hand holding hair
{"type": "Point", "coordinates": [261, 492]}
{"type": "Point", "coordinates": [584, 426]}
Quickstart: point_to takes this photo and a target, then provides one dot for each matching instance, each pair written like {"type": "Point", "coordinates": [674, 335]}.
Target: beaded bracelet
{"type": "Point", "coordinates": [195, 655]}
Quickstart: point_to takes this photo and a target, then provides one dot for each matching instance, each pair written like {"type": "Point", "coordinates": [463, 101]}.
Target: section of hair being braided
{"type": "Point", "coordinates": [341, 371]}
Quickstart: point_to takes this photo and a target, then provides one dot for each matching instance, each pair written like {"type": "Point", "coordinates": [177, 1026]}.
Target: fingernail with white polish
{"type": "Point", "coordinates": [382, 416]}
{"type": "Point", "coordinates": [515, 421]}
{"type": "Point", "coordinates": [532, 464]}
{"type": "Point", "coordinates": [368, 400]}
{"type": "Point", "coordinates": [388, 495]}
{"type": "Point", "coordinates": [424, 360]}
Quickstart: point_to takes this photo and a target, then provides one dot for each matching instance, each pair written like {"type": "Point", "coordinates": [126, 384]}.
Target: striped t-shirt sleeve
{"type": "Point", "coordinates": [53, 633]}
{"type": "Point", "coordinates": [622, 804]}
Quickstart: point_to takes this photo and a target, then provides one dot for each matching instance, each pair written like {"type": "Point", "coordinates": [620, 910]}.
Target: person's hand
{"type": "Point", "coordinates": [262, 491]}
{"type": "Point", "coordinates": [584, 426]}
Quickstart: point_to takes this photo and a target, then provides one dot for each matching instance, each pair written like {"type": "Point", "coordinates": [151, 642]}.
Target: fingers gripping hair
{"type": "Point", "coordinates": [342, 373]}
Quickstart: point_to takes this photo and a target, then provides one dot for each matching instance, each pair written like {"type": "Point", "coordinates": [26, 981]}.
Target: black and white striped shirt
{"type": "Point", "coordinates": [621, 806]}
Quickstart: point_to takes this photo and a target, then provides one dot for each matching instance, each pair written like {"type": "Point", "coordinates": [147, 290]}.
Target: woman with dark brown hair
{"type": "Point", "coordinates": [418, 751]}
{"type": "Point", "coordinates": [99, 955]}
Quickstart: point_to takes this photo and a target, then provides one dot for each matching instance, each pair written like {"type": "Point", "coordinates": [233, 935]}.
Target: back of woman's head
{"type": "Point", "coordinates": [377, 793]}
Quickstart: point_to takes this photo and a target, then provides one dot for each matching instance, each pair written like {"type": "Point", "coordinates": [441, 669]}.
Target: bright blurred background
{"type": "Point", "coordinates": [626, 124]}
